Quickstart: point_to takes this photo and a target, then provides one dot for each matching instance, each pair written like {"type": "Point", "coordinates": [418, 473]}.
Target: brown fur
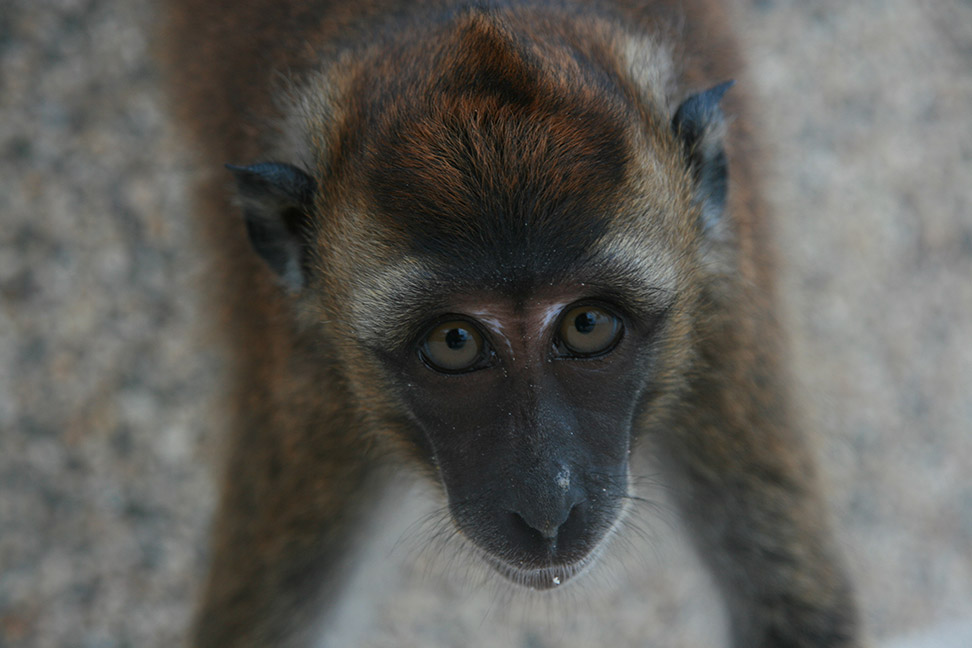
{"type": "Point", "coordinates": [551, 88]}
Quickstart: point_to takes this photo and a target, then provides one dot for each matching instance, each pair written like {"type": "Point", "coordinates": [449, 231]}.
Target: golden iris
{"type": "Point", "coordinates": [589, 330]}
{"type": "Point", "coordinates": [453, 346]}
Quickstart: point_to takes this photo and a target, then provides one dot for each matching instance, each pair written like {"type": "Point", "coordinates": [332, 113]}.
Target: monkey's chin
{"type": "Point", "coordinates": [543, 578]}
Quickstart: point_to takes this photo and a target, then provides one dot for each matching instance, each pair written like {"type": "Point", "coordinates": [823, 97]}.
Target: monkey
{"type": "Point", "coordinates": [508, 243]}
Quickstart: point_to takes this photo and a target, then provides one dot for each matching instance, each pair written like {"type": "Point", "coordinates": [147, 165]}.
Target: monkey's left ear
{"type": "Point", "coordinates": [700, 125]}
{"type": "Point", "coordinates": [277, 199]}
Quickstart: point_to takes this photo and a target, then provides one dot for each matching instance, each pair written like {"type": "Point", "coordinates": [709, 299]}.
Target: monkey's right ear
{"type": "Point", "coordinates": [277, 199]}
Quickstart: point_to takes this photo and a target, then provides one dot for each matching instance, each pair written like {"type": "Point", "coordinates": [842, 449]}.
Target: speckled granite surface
{"type": "Point", "coordinates": [108, 416]}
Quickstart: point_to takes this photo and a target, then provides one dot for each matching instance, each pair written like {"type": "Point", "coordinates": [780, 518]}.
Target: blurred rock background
{"type": "Point", "coordinates": [108, 393]}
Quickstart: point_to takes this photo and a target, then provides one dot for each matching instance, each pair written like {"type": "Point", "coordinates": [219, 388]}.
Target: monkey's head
{"type": "Point", "coordinates": [500, 242]}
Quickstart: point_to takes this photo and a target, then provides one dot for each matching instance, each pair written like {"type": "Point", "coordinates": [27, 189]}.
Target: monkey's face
{"type": "Point", "coordinates": [527, 408]}
{"type": "Point", "coordinates": [523, 367]}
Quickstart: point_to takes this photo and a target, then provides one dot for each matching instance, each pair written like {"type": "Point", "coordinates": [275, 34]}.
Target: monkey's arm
{"type": "Point", "coordinates": [750, 497]}
{"type": "Point", "coordinates": [294, 491]}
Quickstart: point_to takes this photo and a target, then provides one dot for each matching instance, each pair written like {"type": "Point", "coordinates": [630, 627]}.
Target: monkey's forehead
{"type": "Point", "coordinates": [491, 189]}
{"type": "Point", "coordinates": [503, 182]}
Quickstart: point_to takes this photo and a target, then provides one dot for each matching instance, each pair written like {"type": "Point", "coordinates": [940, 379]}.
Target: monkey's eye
{"type": "Point", "coordinates": [453, 347]}
{"type": "Point", "coordinates": [589, 331]}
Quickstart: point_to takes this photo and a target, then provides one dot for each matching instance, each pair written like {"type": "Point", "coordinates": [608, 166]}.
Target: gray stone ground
{"type": "Point", "coordinates": [108, 429]}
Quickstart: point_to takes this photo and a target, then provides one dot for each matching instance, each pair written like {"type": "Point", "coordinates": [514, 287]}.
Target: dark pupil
{"type": "Point", "coordinates": [456, 338]}
{"type": "Point", "coordinates": [585, 322]}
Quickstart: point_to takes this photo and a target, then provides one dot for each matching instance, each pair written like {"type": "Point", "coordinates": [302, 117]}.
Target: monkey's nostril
{"type": "Point", "coordinates": [544, 531]}
{"type": "Point", "coordinates": [548, 527]}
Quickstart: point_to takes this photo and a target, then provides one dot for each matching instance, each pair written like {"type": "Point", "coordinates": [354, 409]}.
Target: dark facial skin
{"type": "Point", "coordinates": [532, 438]}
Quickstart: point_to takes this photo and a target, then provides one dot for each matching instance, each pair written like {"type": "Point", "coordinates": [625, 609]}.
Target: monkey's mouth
{"type": "Point", "coordinates": [529, 557]}
{"type": "Point", "coordinates": [543, 578]}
